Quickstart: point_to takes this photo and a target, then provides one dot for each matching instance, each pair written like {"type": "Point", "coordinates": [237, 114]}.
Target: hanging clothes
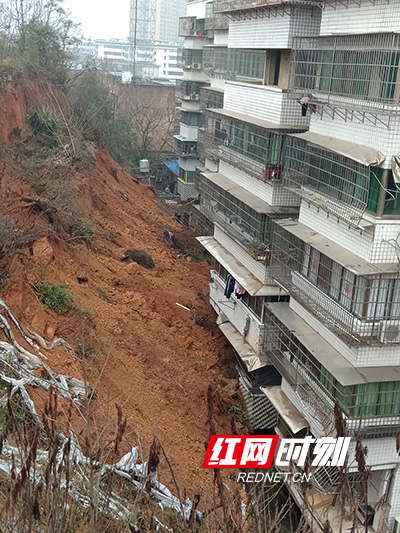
{"type": "Point", "coordinates": [239, 291]}
{"type": "Point", "coordinates": [230, 286]}
{"type": "Point", "coordinates": [304, 108]}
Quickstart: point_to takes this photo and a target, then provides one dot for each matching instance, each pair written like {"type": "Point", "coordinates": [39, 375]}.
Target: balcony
{"type": "Point", "coordinates": [185, 148]}
{"type": "Point", "coordinates": [320, 376]}
{"type": "Point", "coordinates": [354, 72]}
{"type": "Point", "coordinates": [333, 174]}
{"type": "Point", "coordinates": [192, 27]}
{"type": "Point", "coordinates": [214, 19]}
{"type": "Point", "coordinates": [229, 63]}
{"type": "Point", "coordinates": [252, 145]}
{"type": "Point", "coordinates": [357, 301]}
{"type": "Point", "coordinates": [265, 102]}
{"type": "Point", "coordinates": [247, 324]}
{"type": "Point", "coordinates": [211, 98]}
{"type": "Point", "coordinates": [190, 59]}
{"type": "Point", "coordinates": [190, 90]}
{"type": "Point", "coordinates": [243, 215]}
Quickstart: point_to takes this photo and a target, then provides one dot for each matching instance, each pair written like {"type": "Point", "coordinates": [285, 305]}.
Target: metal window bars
{"type": "Point", "coordinates": [354, 72]}
{"type": "Point", "coordinates": [251, 229]}
{"type": "Point", "coordinates": [190, 59]}
{"type": "Point", "coordinates": [329, 180]}
{"type": "Point", "coordinates": [256, 150]}
{"type": "Point", "coordinates": [190, 90]}
{"type": "Point", "coordinates": [211, 98]}
{"type": "Point", "coordinates": [186, 149]}
{"type": "Point", "coordinates": [215, 20]}
{"type": "Point", "coordinates": [253, 9]}
{"type": "Point", "coordinates": [318, 390]}
{"type": "Point", "coordinates": [361, 310]}
{"type": "Point", "coordinates": [230, 63]}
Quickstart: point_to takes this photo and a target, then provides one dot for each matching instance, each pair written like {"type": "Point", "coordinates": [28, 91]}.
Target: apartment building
{"type": "Point", "coordinates": [298, 168]}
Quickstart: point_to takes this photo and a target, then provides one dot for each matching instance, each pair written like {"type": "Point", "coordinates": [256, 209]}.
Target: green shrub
{"type": "Point", "coordinates": [55, 297]}
{"type": "Point", "coordinates": [44, 124]}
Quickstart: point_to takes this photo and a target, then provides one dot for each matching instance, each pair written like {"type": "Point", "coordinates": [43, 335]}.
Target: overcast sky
{"type": "Point", "coordinates": [101, 18]}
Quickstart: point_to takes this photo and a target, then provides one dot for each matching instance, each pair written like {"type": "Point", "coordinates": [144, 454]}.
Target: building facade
{"type": "Point", "coordinates": [297, 166]}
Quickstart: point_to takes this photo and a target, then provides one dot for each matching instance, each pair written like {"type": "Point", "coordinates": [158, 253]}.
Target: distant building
{"type": "Point", "coordinates": [153, 60]}
{"type": "Point", "coordinates": [167, 19]}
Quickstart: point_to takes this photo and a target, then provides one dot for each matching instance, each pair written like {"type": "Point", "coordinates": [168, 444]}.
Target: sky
{"type": "Point", "coordinates": [101, 18]}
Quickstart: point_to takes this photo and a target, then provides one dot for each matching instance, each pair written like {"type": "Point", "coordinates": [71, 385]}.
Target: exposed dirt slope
{"type": "Point", "coordinates": [152, 357]}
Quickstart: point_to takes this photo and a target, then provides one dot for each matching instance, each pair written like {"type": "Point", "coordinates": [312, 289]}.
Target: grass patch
{"type": "Point", "coordinates": [59, 299]}
{"type": "Point", "coordinates": [55, 297]}
{"type": "Point", "coordinates": [104, 297]}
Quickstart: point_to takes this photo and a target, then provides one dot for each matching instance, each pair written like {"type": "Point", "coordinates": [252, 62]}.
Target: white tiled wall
{"type": "Point", "coordinates": [378, 136]}
{"type": "Point", "coordinates": [370, 17]}
{"type": "Point", "coordinates": [272, 194]}
{"type": "Point", "coordinates": [237, 313]}
{"type": "Point", "coordinates": [275, 31]}
{"type": "Point", "coordinates": [374, 244]}
{"type": "Point", "coordinates": [255, 267]}
{"type": "Point", "coordinates": [221, 38]}
{"type": "Point", "coordinates": [190, 132]}
{"type": "Point", "coordinates": [265, 103]}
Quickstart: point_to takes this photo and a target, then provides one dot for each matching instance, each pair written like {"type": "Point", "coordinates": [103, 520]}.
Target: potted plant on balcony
{"type": "Point", "coordinates": [260, 251]}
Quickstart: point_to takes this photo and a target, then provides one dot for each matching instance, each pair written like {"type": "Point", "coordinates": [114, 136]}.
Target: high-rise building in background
{"type": "Point", "coordinates": [290, 125]}
{"type": "Point", "coordinates": [167, 19]}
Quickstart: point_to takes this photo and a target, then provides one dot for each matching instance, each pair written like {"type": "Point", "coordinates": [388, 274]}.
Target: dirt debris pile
{"type": "Point", "coordinates": [134, 345]}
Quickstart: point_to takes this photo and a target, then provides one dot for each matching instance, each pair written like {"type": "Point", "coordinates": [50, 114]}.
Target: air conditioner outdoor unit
{"type": "Point", "coordinates": [390, 332]}
{"type": "Point", "coordinates": [196, 65]}
{"type": "Point", "coordinates": [396, 528]}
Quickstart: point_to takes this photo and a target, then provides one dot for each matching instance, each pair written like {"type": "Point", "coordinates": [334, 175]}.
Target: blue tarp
{"type": "Point", "coordinates": [173, 165]}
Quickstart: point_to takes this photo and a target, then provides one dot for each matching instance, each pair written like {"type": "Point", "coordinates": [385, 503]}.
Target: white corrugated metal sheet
{"type": "Point", "coordinates": [243, 276]}
{"type": "Point", "coordinates": [287, 411]}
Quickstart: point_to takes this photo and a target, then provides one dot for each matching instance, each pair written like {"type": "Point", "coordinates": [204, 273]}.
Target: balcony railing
{"type": "Point", "coordinates": [190, 59]}
{"type": "Point", "coordinates": [230, 6]}
{"type": "Point", "coordinates": [190, 90]}
{"type": "Point", "coordinates": [339, 184]}
{"type": "Point", "coordinates": [211, 99]}
{"type": "Point", "coordinates": [214, 19]}
{"type": "Point", "coordinates": [317, 388]}
{"type": "Point", "coordinates": [361, 310]}
{"type": "Point", "coordinates": [185, 148]}
{"type": "Point", "coordinates": [230, 63]}
{"type": "Point", "coordinates": [250, 228]}
{"type": "Point", "coordinates": [358, 72]}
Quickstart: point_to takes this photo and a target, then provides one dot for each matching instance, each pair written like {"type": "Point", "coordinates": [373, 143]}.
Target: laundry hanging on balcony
{"type": "Point", "coordinates": [230, 286]}
{"type": "Point", "coordinates": [239, 291]}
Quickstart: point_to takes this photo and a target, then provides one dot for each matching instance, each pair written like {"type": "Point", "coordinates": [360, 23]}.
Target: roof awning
{"type": "Point", "coordinates": [287, 411]}
{"type": "Point", "coordinates": [244, 350]}
{"type": "Point", "coordinates": [253, 201]}
{"type": "Point", "coordinates": [243, 276]}
{"type": "Point", "coordinates": [357, 152]}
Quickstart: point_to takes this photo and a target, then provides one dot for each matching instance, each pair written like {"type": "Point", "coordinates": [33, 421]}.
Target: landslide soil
{"type": "Point", "coordinates": [143, 352]}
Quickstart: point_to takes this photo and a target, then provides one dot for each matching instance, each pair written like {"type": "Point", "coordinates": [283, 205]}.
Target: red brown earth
{"type": "Point", "coordinates": [148, 355]}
